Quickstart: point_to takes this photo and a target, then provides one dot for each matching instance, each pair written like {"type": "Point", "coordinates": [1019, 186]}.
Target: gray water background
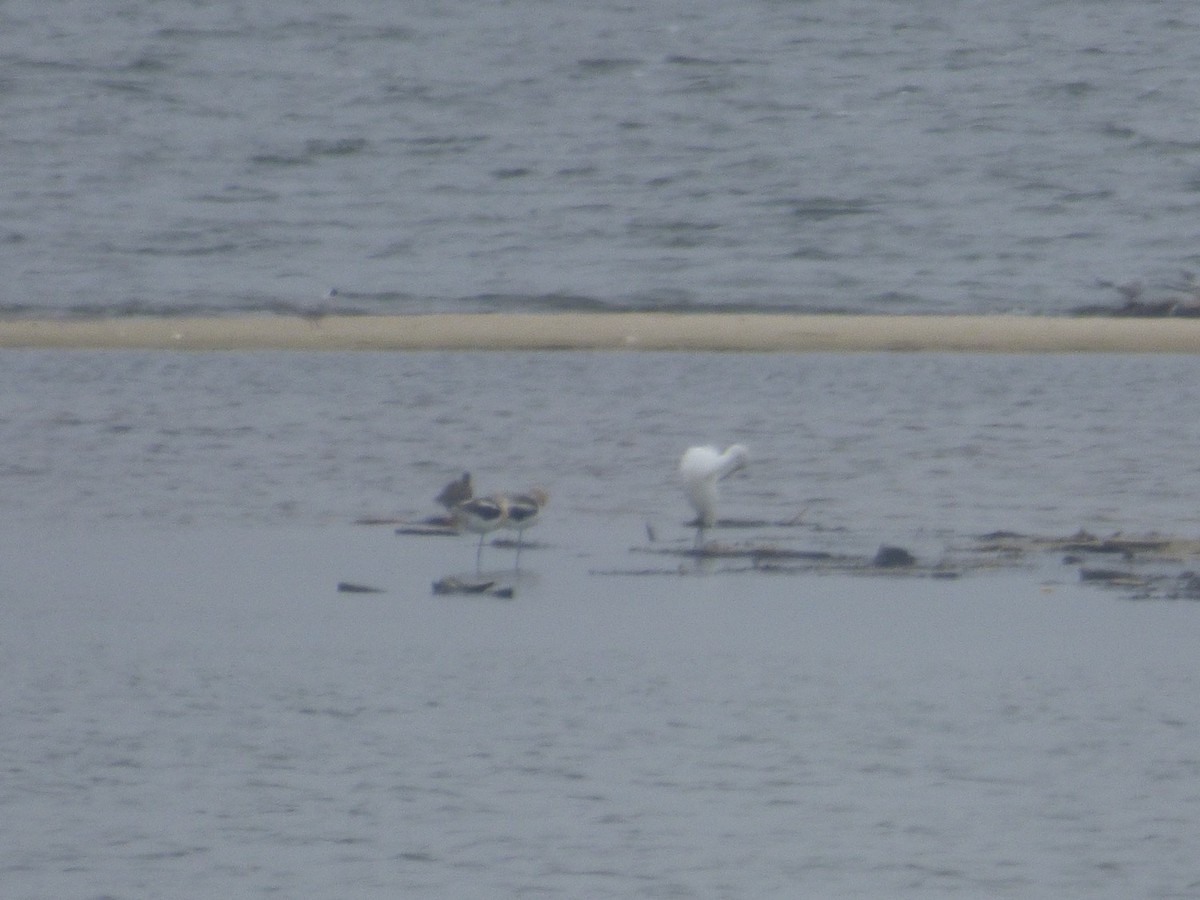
{"type": "Point", "coordinates": [191, 709]}
{"type": "Point", "coordinates": [213, 157]}
{"type": "Point", "coordinates": [903, 447]}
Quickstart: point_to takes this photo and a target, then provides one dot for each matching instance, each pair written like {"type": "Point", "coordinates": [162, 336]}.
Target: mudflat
{"type": "Point", "coordinates": [611, 331]}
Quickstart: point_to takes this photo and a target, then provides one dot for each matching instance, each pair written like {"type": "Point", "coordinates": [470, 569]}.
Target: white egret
{"type": "Point", "coordinates": [701, 469]}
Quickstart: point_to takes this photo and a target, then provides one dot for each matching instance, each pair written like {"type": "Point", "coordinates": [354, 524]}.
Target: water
{"type": "Point", "coordinates": [963, 157]}
{"type": "Point", "coordinates": [224, 719]}
{"type": "Point", "coordinates": [880, 446]}
{"type": "Point", "coordinates": [191, 709]}
{"type": "Point", "coordinates": [189, 704]}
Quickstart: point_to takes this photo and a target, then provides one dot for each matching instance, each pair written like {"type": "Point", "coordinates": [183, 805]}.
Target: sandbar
{"type": "Point", "coordinates": [763, 332]}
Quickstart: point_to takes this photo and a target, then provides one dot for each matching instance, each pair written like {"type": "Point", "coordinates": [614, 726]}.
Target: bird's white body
{"type": "Point", "coordinates": [482, 515]}
{"type": "Point", "coordinates": [525, 509]}
{"type": "Point", "coordinates": [701, 468]}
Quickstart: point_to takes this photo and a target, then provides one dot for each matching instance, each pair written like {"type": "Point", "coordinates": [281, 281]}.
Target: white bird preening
{"type": "Point", "coordinates": [482, 515]}
{"type": "Point", "coordinates": [701, 469]}
{"type": "Point", "coordinates": [524, 510]}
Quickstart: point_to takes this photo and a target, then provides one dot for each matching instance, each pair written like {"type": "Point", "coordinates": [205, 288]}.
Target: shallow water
{"type": "Point", "coordinates": [881, 446]}
{"type": "Point", "coordinates": [207, 712]}
{"type": "Point", "coordinates": [975, 157]}
{"type": "Point", "coordinates": [190, 704]}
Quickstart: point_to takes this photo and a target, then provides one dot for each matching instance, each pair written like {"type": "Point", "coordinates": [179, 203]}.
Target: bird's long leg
{"type": "Point", "coordinates": [520, 541]}
{"type": "Point", "coordinates": [479, 555]}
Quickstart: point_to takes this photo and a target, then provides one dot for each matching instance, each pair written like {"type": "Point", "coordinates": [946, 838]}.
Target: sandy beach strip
{"type": "Point", "coordinates": [614, 331]}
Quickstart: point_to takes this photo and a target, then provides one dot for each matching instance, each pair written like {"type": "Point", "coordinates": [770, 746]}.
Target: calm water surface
{"type": "Point", "coordinates": [456, 155]}
{"type": "Point", "coordinates": [897, 445]}
{"type": "Point", "coordinates": [191, 709]}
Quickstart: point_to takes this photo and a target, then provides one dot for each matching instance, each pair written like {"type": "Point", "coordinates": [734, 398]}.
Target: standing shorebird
{"type": "Point", "coordinates": [456, 492]}
{"type": "Point", "coordinates": [482, 515]}
{"type": "Point", "coordinates": [701, 469]}
{"type": "Point", "coordinates": [524, 510]}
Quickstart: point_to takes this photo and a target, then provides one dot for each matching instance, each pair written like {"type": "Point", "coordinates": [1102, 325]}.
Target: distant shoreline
{"type": "Point", "coordinates": [750, 332]}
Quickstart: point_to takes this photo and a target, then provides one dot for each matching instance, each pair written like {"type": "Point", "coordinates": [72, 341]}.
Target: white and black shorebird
{"type": "Point", "coordinates": [524, 510]}
{"type": "Point", "coordinates": [701, 468]}
{"type": "Point", "coordinates": [481, 515]}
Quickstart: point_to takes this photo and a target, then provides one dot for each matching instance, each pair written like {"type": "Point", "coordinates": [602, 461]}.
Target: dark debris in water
{"type": "Point", "coordinates": [434, 529]}
{"type": "Point", "coordinates": [1179, 301]}
{"type": "Point", "coordinates": [734, 558]}
{"type": "Point", "coordinates": [1144, 309]}
{"type": "Point", "coordinates": [477, 586]}
{"type": "Point", "coordinates": [1146, 585]}
{"type": "Point", "coordinates": [350, 587]}
{"type": "Point", "coordinates": [1109, 576]}
{"type": "Point", "coordinates": [793, 522]}
{"type": "Point", "coordinates": [430, 526]}
{"type": "Point", "coordinates": [1142, 567]}
{"type": "Point", "coordinates": [1186, 586]}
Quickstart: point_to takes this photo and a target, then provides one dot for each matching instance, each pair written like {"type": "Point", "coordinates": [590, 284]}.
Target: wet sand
{"type": "Point", "coordinates": [613, 331]}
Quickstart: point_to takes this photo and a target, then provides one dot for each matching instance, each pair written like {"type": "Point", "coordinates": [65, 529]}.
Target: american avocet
{"type": "Point", "coordinates": [702, 468]}
{"type": "Point", "coordinates": [456, 492]}
{"type": "Point", "coordinates": [524, 510]}
{"type": "Point", "coordinates": [482, 515]}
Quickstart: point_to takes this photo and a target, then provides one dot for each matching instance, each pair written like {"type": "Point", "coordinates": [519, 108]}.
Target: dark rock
{"type": "Point", "coordinates": [893, 558]}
